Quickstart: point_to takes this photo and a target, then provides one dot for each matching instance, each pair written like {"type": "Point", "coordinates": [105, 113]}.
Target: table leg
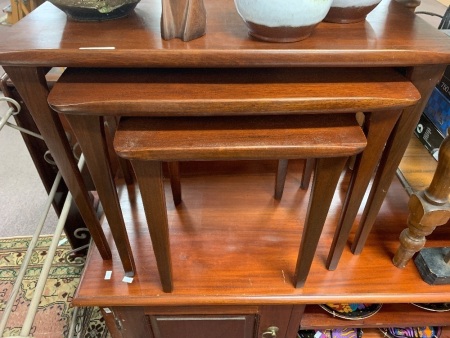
{"type": "Point", "coordinates": [149, 177]}
{"type": "Point", "coordinates": [280, 178]}
{"type": "Point", "coordinates": [425, 79]}
{"type": "Point", "coordinates": [47, 172]}
{"type": "Point", "coordinates": [90, 133]}
{"type": "Point", "coordinates": [428, 209]}
{"type": "Point", "coordinates": [32, 87]}
{"type": "Point", "coordinates": [175, 181]}
{"type": "Point", "coordinates": [307, 172]}
{"type": "Point", "coordinates": [112, 122]}
{"type": "Point", "coordinates": [326, 177]}
{"type": "Point", "coordinates": [380, 125]}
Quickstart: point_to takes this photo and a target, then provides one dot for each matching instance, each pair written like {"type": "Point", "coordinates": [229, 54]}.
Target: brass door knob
{"type": "Point", "coordinates": [271, 331]}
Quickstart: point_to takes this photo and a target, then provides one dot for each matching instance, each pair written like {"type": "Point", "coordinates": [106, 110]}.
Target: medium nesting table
{"type": "Point", "coordinates": [86, 95]}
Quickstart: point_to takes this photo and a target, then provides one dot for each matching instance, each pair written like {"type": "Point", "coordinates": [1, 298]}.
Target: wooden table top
{"type": "Point", "coordinates": [391, 35]}
{"type": "Point", "coordinates": [240, 248]}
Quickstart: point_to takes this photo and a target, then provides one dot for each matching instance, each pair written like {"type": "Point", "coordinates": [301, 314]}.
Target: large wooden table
{"type": "Point", "coordinates": [390, 37]}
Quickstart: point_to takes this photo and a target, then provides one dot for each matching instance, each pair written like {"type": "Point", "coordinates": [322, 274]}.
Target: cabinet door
{"type": "Point", "coordinates": [239, 326]}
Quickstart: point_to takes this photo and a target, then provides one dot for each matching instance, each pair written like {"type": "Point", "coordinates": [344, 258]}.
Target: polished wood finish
{"type": "Point", "coordinates": [307, 172]}
{"type": "Point", "coordinates": [417, 167]}
{"type": "Point", "coordinates": [255, 274]}
{"type": "Point", "coordinates": [148, 141]}
{"type": "Point", "coordinates": [280, 178]}
{"type": "Point", "coordinates": [149, 176]}
{"type": "Point", "coordinates": [326, 176]}
{"type": "Point", "coordinates": [373, 42]}
{"type": "Point", "coordinates": [425, 79]}
{"type": "Point", "coordinates": [379, 127]}
{"type": "Point", "coordinates": [239, 138]}
{"type": "Point", "coordinates": [203, 326]}
{"type": "Point", "coordinates": [32, 85]}
{"type": "Point", "coordinates": [194, 92]}
{"type": "Point", "coordinates": [390, 36]}
{"type": "Point", "coordinates": [185, 19]}
{"type": "Point", "coordinates": [175, 184]}
{"type": "Point", "coordinates": [90, 133]}
{"type": "Point", "coordinates": [429, 208]}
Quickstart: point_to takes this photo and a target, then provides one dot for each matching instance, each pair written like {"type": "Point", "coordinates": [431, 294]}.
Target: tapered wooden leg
{"type": "Point", "coordinates": [379, 128]}
{"type": "Point", "coordinates": [90, 133]}
{"type": "Point", "coordinates": [424, 78]}
{"type": "Point", "coordinates": [307, 172]}
{"type": "Point", "coordinates": [111, 123]}
{"type": "Point", "coordinates": [326, 177]}
{"type": "Point", "coordinates": [175, 181]}
{"type": "Point", "coordinates": [149, 177]}
{"type": "Point", "coordinates": [32, 86]}
{"type": "Point", "coordinates": [280, 178]}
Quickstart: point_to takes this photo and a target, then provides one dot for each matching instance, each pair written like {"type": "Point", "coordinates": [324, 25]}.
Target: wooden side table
{"type": "Point", "coordinates": [418, 50]}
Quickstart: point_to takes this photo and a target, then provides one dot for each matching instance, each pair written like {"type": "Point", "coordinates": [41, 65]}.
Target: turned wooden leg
{"type": "Point", "coordinates": [428, 208]}
{"type": "Point", "coordinates": [183, 19]}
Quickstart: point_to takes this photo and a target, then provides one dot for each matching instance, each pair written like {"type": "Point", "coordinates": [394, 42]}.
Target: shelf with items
{"type": "Point", "coordinates": [390, 315]}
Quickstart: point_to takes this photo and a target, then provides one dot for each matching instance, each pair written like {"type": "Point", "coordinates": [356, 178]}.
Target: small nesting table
{"type": "Point", "coordinates": [146, 142]}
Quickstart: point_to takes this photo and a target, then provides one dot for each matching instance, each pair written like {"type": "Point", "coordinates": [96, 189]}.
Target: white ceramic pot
{"type": "Point", "coordinates": [348, 11]}
{"type": "Point", "coordinates": [282, 20]}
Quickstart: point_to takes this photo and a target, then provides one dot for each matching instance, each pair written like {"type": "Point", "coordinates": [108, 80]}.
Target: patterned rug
{"type": "Point", "coordinates": [55, 312]}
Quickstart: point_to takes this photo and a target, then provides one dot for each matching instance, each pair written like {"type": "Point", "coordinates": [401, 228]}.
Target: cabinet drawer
{"type": "Point", "coordinates": [203, 326]}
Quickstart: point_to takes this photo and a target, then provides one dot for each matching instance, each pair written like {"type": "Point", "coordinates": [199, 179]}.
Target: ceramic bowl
{"type": "Point", "coordinates": [349, 11]}
{"type": "Point", "coordinates": [95, 10]}
{"type": "Point", "coordinates": [282, 20]}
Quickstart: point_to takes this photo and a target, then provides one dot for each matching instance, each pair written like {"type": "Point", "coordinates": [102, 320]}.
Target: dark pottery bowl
{"type": "Point", "coordinates": [349, 11]}
{"type": "Point", "coordinates": [92, 10]}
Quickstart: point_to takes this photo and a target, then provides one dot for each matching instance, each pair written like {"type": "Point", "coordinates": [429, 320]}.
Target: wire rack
{"type": "Point", "coordinates": [75, 329]}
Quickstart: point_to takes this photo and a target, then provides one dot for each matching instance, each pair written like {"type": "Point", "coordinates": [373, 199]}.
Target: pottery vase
{"type": "Point", "coordinates": [282, 20]}
{"type": "Point", "coordinates": [349, 11]}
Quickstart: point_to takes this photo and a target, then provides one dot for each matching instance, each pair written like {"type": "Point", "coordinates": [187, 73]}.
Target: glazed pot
{"type": "Point", "coordinates": [95, 10]}
{"type": "Point", "coordinates": [348, 11]}
{"type": "Point", "coordinates": [282, 20]}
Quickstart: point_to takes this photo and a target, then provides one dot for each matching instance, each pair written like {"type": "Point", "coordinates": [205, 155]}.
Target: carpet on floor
{"type": "Point", "coordinates": [55, 312]}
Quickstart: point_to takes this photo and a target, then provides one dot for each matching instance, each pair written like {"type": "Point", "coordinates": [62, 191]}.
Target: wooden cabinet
{"type": "Point", "coordinates": [234, 259]}
{"type": "Point", "coordinates": [204, 322]}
